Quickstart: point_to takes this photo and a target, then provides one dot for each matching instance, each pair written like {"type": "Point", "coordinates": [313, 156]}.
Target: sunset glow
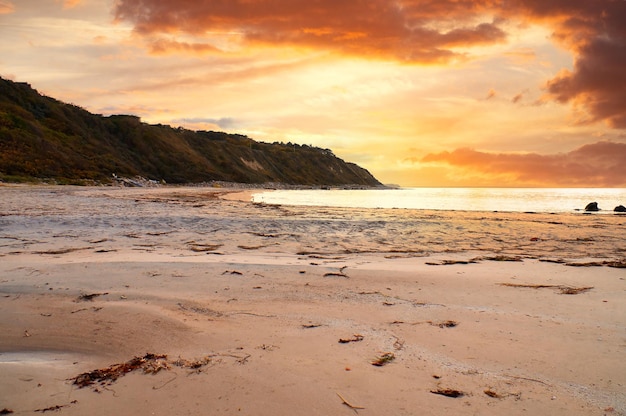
{"type": "Point", "coordinates": [419, 92]}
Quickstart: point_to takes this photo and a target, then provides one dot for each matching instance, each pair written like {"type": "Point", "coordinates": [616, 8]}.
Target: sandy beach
{"type": "Point", "coordinates": [231, 307]}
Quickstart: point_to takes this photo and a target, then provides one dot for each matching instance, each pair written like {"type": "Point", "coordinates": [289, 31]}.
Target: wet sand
{"type": "Point", "coordinates": [259, 297]}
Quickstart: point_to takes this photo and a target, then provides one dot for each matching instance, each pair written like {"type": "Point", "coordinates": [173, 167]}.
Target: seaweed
{"type": "Point", "coordinates": [384, 359]}
{"type": "Point", "coordinates": [563, 289]}
{"type": "Point", "coordinates": [334, 274]}
{"type": "Point", "coordinates": [251, 247]}
{"type": "Point", "coordinates": [500, 257]}
{"type": "Point", "coordinates": [338, 274]}
{"type": "Point", "coordinates": [90, 297]}
{"type": "Point", "coordinates": [149, 363]}
{"type": "Point", "coordinates": [493, 394]}
{"type": "Point", "coordinates": [448, 392]}
{"type": "Point", "coordinates": [450, 262]}
{"type": "Point", "coordinates": [62, 250]}
{"type": "Point", "coordinates": [441, 324]}
{"type": "Point", "coordinates": [235, 272]}
{"type": "Point", "coordinates": [620, 264]}
{"type": "Point", "coordinates": [200, 248]}
{"type": "Point", "coordinates": [445, 324]}
{"type": "Point", "coordinates": [55, 408]}
{"type": "Point", "coordinates": [192, 364]}
{"type": "Point", "coordinates": [355, 338]}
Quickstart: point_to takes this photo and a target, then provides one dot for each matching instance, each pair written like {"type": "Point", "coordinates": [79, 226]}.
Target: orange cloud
{"type": "Point", "coordinates": [164, 46]}
{"type": "Point", "coordinates": [403, 31]}
{"type": "Point", "coordinates": [414, 31]}
{"type": "Point", "coordinates": [599, 165]}
{"type": "Point", "coordinates": [6, 7]}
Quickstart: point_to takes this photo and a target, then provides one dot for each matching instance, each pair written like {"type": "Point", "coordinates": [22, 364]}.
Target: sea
{"type": "Point", "coordinates": [539, 200]}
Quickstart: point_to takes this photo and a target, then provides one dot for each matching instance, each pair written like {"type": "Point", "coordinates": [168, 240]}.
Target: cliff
{"type": "Point", "coordinates": [44, 139]}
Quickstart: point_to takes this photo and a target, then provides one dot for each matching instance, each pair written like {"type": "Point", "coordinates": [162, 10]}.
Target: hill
{"type": "Point", "coordinates": [44, 139]}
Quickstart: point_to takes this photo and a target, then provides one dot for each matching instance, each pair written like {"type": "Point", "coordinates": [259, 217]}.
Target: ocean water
{"type": "Point", "coordinates": [545, 200]}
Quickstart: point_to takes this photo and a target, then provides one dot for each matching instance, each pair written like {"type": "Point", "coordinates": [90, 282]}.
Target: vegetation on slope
{"type": "Point", "coordinates": [42, 138]}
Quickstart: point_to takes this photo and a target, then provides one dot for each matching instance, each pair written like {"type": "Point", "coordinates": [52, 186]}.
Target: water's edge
{"type": "Point", "coordinates": [543, 200]}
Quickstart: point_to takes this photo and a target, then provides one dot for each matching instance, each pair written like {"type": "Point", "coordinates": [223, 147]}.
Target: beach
{"type": "Point", "coordinates": [232, 307]}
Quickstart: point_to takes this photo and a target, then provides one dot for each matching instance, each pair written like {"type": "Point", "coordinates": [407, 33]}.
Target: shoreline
{"type": "Point", "coordinates": [265, 294]}
{"type": "Point", "coordinates": [244, 191]}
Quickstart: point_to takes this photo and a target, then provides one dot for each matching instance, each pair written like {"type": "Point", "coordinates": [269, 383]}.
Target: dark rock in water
{"type": "Point", "coordinates": [620, 208]}
{"type": "Point", "coordinates": [592, 206]}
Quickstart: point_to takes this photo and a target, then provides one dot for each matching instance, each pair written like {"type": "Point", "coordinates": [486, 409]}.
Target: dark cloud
{"type": "Point", "coordinates": [598, 164]}
{"type": "Point", "coordinates": [598, 82]}
{"type": "Point", "coordinates": [404, 31]}
{"type": "Point", "coordinates": [416, 31]}
{"type": "Point", "coordinates": [595, 32]}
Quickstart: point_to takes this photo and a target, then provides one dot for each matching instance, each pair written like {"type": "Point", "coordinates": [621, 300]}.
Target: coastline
{"type": "Point", "coordinates": [267, 292]}
{"type": "Point", "coordinates": [522, 200]}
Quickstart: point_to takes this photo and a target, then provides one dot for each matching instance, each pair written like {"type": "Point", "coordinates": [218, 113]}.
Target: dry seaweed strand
{"type": "Point", "coordinates": [355, 338]}
{"type": "Point", "coordinates": [321, 256]}
{"type": "Point", "coordinates": [500, 257]}
{"type": "Point", "coordinates": [51, 409]}
{"type": "Point", "coordinates": [351, 406]}
{"type": "Point", "coordinates": [90, 297]}
{"type": "Point", "coordinates": [235, 272]}
{"type": "Point", "coordinates": [251, 247]}
{"type": "Point", "coordinates": [441, 324]}
{"type": "Point", "coordinates": [444, 324]}
{"type": "Point", "coordinates": [563, 289]}
{"type": "Point", "coordinates": [335, 274]}
{"type": "Point", "coordinates": [62, 251]}
{"type": "Point", "coordinates": [384, 359]}
{"type": "Point", "coordinates": [566, 290]}
{"type": "Point", "coordinates": [448, 392]}
{"type": "Point", "coordinates": [450, 262]}
{"type": "Point", "coordinates": [149, 363]}
{"type": "Point", "coordinates": [47, 409]}
{"type": "Point", "coordinates": [193, 364]}
{"type": "Point", "coordinates": [493, 394]}
{"type": "Point", "coordinates": [496, 395]}
{"type": "Point", "coordinates": [620, 264]}
{"type": "Point", "coordinates": [199, 248]}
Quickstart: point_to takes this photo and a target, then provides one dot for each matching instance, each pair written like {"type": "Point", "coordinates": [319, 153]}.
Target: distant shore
{"type": "Point", "coordinates": [258, 309]}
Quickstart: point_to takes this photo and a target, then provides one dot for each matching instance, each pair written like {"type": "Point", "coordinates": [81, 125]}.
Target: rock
{"type": "Point", "coordinates": [592, 206]}
{"type": "Point", "coordinates": [620, 208]}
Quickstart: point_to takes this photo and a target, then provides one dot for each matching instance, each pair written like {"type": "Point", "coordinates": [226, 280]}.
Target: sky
{"type": "Point", "coordinates": [507, 93]}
